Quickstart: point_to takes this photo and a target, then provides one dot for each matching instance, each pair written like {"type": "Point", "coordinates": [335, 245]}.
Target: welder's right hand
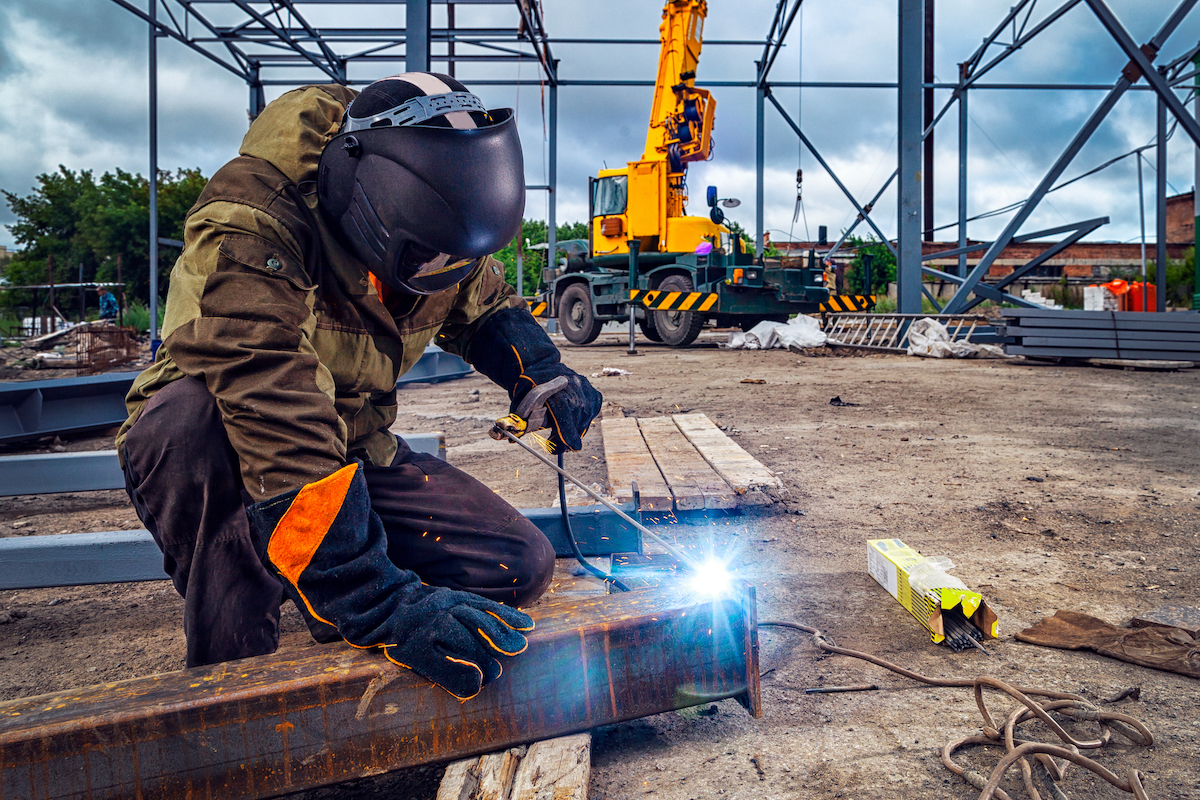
{"type": "Point", "coordinates": [330, 550]}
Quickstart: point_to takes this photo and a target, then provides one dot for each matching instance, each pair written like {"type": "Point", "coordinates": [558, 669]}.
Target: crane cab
{"type": "Point", "coordinates": [631, 203]}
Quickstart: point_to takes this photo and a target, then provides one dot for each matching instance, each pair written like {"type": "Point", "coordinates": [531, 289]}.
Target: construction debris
{"type": "Point", "coordinates": [929, 338]}
{"type": "Point", "coordinates": [797, 333]}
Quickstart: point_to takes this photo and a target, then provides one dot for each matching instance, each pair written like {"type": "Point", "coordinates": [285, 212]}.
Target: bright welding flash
{"type": "Point", "coordinates": [711, 577]}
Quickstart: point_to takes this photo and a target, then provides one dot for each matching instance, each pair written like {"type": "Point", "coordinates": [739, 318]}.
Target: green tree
{"type": "Point", "coordinates": [77, 220]}
{"type": "Point", "coordinates": [534, 232]}
{"type": "Point", "coordinates": [883, 265]}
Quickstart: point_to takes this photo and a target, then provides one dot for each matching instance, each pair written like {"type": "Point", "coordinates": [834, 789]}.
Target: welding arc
{"type": "Point", "coordinates": [1018, 750]}
{"type": "Point", "coordinates": [672, 549]}
{"type": "Point", "coordinates": [566, 518]}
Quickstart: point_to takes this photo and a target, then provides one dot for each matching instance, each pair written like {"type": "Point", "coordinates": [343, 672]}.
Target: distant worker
{"type": "Point", "coordinates": [108, 305]}
{"type": "Point", "coordinates": [352, 231]}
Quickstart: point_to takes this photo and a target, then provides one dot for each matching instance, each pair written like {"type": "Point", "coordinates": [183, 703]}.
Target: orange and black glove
{"type": "Point", "coordinates": [512, 349]}
{"type": "Point", "coordinates": [330, 550]}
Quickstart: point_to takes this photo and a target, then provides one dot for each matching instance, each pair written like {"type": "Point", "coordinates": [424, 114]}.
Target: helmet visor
{"type": "Point", "coordinates": [426, 272]}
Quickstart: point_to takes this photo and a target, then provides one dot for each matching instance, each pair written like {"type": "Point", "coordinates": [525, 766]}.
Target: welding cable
{"type": "Point", "coordinates": [1018, 751]}
{"type": "Point", "coordinates": [566, 518]}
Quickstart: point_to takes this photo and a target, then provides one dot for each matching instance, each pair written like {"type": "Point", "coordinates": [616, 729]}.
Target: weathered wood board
{"type": "Point", "coordinates": [692, 481]}
{"type": "Point", "coordinates": [739, 469]}
{"type": "Point", "coordinates": [628, 460]}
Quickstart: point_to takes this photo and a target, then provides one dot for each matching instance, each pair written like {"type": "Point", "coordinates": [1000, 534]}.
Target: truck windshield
{"type": "Point", "coordinates": [610, 195]}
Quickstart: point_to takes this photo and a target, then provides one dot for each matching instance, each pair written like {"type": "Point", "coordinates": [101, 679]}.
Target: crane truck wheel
{"type": "Point", "coordinates": [647, 327]}
{"type": "Point", "coordinates": [577, 316]}
{"type": "Point", "coordinates": [678, 328]}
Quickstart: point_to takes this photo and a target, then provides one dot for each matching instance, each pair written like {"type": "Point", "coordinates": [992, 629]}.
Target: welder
{"type": "Point", "coordinates": [351, 231]}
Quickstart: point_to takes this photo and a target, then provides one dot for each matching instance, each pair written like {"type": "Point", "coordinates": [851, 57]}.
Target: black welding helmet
{"type": "Point", "coordinates": [423, 181]}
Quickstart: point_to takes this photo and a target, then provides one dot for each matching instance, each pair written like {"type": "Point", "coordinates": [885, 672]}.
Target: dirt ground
{"type": "Point", "coordinates": [1049, 486]}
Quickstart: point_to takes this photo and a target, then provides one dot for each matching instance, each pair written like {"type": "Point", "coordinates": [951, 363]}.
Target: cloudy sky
{"type": "Point", "coordinates": [73, 81]}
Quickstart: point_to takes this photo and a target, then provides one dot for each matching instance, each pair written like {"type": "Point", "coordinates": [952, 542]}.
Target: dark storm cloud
{"type": "Point", "coordinates": [95, 117]}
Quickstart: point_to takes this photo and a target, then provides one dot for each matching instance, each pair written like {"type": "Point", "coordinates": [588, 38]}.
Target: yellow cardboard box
{"type": "Point", "coordinates": [890, 561]}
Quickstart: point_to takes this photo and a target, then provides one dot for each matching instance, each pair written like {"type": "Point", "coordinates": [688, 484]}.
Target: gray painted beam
{"type": "Point", "coordinates": [99, 470]}
{"type": "Point", "coordinates": [33, 409]}
{"type": "Point", "coordinates": [79, 559]}
{"type": "Point", "coordinates": [435, 366]}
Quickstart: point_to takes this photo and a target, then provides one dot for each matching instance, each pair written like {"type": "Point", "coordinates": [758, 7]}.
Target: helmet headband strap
{"type": "Point", "coordinates": [415, 111]}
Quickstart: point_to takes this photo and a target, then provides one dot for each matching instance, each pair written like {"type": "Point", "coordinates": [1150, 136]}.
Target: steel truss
{"type": "Point", "coordinates": [256, 40]}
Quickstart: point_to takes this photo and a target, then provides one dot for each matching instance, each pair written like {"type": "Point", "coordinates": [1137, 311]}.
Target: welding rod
{"type": "Point", "coordinates": [672, 549]}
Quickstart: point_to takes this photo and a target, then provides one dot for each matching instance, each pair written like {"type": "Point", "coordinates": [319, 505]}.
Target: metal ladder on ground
{"type": "Point", "coordinates": [888, 333]}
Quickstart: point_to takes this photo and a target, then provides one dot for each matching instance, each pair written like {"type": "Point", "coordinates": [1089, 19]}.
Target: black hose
{"type": "Point", "coordinates": [562, 503]}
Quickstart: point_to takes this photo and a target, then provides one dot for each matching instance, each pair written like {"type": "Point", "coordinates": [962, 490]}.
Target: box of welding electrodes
{"type": "Point", "coordinates": [941, 602]}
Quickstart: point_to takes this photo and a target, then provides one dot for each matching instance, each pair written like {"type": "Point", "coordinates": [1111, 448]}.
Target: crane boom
{"type": "Point", "coordinates": [647, 199]}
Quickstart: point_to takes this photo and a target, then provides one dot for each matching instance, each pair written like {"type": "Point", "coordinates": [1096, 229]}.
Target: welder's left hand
{"type": "Point", "coordinates": [570, 409]}
{"type": "Point", "coordinates": [512, 349]}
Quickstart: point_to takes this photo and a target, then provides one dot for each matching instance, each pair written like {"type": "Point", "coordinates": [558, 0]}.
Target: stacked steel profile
{"type": "Point", "coordinates": [1042, 333]}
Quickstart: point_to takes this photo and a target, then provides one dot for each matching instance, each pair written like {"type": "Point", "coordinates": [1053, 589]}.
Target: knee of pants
{"type": "Point", "coordinates": [535, 567]}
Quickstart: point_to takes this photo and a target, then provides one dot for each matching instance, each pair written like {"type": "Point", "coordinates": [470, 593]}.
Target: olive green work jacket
{"type": "Point", "coordinates": [282, 323]}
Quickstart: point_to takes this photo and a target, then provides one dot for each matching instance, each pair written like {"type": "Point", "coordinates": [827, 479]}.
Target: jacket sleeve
{"type": "Point", "coordinates": [239, 317]}
{"type": "Point", "coordinates": [483, 294]}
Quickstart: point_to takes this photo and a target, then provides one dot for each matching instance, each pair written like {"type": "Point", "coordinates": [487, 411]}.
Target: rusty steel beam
{"type": "Point", "coordinates": [274, 724]}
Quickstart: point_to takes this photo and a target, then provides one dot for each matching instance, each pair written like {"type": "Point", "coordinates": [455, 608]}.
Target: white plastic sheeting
{"type": "Point", "coordinates": [930, 339]}
{"type": "Point", "coordinates": [798, 332]}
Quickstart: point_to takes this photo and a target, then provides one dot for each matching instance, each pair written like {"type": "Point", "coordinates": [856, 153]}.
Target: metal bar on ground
{"type": "Point", "coordinates": [33, 409]}
{"type": "Point", "coordinates": [83, 559]}
{"type": "Point", "coordinates": [435, 366]}
{"type": "Point", "coordinates": [275, 724]}
{"type": "Point", "coordinates": [99, 470]}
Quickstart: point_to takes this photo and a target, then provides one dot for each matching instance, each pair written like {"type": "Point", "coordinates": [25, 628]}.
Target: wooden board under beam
{"type": "Point", "coordinates": [692, 481]}
{"type": "Point", "coordinates": [629, 460]}
{"type": "Point", "coordinates": [741, 470]}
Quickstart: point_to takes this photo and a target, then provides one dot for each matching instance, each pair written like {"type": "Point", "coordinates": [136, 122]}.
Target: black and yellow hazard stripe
{"type": "Point", "coordinates": [539, 308]}
{"type": "Point", "coordinates": [849, 302]}
{"type": "Point", "coordinates": [675, 301]}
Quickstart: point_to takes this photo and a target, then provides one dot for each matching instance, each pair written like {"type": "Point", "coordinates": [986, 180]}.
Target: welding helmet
{"type": "Point", "coordinates": [422, 181]}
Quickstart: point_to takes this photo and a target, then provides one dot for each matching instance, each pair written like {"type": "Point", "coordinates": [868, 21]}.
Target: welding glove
{"type": "Point", "coordinates": [514, 351]}
{"type": "Point", "coordinates": [330, 551]}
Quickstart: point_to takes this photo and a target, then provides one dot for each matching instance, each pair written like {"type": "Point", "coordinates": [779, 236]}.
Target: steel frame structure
{"type": "Point", "coordinates": [275, 35]}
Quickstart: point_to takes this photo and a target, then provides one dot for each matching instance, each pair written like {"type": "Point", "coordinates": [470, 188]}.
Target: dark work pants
{"type": "Point", "coordinates": [183, 478]}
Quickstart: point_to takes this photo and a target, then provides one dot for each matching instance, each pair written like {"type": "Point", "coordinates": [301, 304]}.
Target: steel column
{"type": "Point", "coordinates": [1160, 210]}
{"type": "Point", "coordinates": [927, 106]}
{"type": "Point", "coordinates": [760, 94]}
{"type": "Point", "coordinates": [962, 178]}
{"type": "Point", "coordinates": [153, 72]}
{"type": "Point", "coordinates": [552, 192]}
{"type": "Point", "coordinates": [908, 231]}
{"type": "Point", "coordinates": [275, 724]}
{"type": "Point", "coordinates": [416, 35]}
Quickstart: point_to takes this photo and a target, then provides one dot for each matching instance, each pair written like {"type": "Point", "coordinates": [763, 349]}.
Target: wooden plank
{"type": "Point", "coordinates": [739, 469]}
{"type": "Point", "coordinates": [691, 479]}
{"type": "Point", "coordinates": [558, 769]}
{"type": "Point", "coordinates": [629, 460]}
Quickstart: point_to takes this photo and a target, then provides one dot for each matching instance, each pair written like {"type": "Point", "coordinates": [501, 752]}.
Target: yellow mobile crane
{"type": "Point", "coordinates": [646, 199]}
{"type": "Point", "coordinates": [688, 270]}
